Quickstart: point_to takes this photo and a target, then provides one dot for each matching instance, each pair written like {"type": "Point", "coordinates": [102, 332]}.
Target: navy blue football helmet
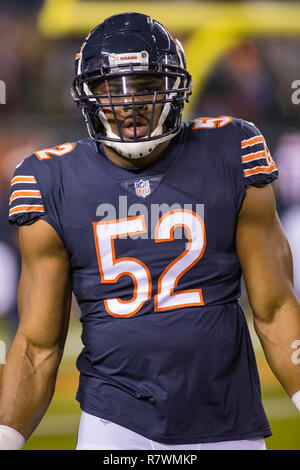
{"type": "Point", "coordinates": [131, 60]}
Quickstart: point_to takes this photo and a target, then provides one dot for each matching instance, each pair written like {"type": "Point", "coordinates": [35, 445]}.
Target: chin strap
{"type": "Point", "coordinates": [136, 149]}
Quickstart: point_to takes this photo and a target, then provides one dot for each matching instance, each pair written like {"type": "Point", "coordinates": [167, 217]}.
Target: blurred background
{"type": "Point", "coordinates": [245, 61]}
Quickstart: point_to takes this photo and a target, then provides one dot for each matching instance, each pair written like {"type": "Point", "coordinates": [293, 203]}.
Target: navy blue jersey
{"type": "Point", "coordinates": [167, 352]}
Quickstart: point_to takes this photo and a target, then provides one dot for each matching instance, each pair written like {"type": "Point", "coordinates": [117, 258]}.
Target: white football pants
{"type": "Point", "coordinates": [99, 434]}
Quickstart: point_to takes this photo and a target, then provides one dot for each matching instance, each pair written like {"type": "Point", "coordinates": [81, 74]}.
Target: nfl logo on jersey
{"type": "Point", "coordinates": [142, 188]}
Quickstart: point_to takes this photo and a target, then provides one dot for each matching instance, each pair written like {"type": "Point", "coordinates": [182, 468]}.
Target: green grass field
{"type": "Point", "coordinates": [58, 429]}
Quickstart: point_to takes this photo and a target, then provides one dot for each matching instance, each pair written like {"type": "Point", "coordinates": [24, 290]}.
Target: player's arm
{"type": "Point", "coordinates": [267, 266]}
{"type": "Point", "coordinates": [44, 297]}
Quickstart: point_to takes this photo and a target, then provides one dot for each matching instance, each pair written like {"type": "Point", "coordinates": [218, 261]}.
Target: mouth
{"type": "Point", "coordinates": [141, 127]}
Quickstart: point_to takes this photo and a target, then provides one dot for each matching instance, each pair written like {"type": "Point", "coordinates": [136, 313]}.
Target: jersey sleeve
{"type": "Point", "coordinates": [258, 165]}
{"type": "Point", "coordinates": [26, 201]}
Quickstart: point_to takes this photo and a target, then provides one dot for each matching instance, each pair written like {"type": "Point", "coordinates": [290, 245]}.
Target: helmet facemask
{"type": "Point", "coordinates": [130, 102]}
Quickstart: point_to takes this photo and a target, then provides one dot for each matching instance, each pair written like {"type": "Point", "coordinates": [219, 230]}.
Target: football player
{"type": "Point", "coordinates": [151, 222]}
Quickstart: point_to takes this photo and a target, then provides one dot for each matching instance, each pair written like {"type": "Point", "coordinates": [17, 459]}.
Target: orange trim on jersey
{"type": "Point", "coordinates": [58, 151]}
{"type": "Point", "coordinates": [254, 140]}
{"type": "Point", "coordinates": [181, 273]}
{"type": "Point", "coordinates": [23, 179]}
{"type": "Point", "coordinates": [254, 156]}
{"type": "Point", "coordinates": [260, 169]}
{"type": "Point", "coordinates": [116, 260]}
{"type": "Point", "coordinates": [16, 194]}
{"type": "Point", "coordinates": [26, 208]}
{"type": "Point", "coordinates": [214, 122]}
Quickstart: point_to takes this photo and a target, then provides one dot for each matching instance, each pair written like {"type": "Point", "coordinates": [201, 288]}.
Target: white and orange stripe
{"type": "Point", "coordinates": [26, 208]}
{"type": "Point", "coordinates": [261, 158]}
{"type": "Point", "coordinates": [253, 141]}
{"type": "Point", "coordinates": [35, 193]}
{"type": "Point", "coordinates": [23, 179]}
{"type": "Point", "coordinates": [250, 157]}
{"type": "Point", "coordinates": [260, 169]}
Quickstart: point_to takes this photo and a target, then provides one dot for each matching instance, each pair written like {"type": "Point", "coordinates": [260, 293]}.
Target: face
{"type": "Point", "coordinates": [129, 117]}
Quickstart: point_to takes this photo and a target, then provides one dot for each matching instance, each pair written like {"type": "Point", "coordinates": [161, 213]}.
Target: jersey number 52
{"type": "Point", "coordinates": [112, 268]}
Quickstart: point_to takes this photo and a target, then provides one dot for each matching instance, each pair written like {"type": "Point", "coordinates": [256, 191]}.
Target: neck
{"type": "Point", "coordinates": [143, 162]}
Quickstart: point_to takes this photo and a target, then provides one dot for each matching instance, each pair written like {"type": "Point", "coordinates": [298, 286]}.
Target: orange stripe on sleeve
{"type": "Point", "coordinates": [260, 169]}
{"type": "Point", "coordinates": [254, 156]}
{"type": "Point", "coordinates": [26, 208]}
{"type": "Point", "coordinates": [254, 140]}
{"type": "Point", "coordinates": [16, 194]}
{"type": "Point", "coordinates": [23, 179]}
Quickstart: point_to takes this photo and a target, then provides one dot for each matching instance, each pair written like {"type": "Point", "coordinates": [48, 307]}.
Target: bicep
{"type": "Point", "coordinates": [264, 253]}
{"type": "Point", "coordinates": [44, 292]}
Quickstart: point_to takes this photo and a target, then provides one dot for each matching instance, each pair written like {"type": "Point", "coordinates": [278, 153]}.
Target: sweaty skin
{"type": "Point", "coordinates": [267, 265]}
{"type": "Point", "coordinates": [44, 298]}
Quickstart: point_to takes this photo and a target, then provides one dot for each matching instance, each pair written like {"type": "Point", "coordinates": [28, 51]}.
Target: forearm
{"type": "Point", "coordinates": [280, 338]}
{"type": "Point", "coordinates": [27, 384]}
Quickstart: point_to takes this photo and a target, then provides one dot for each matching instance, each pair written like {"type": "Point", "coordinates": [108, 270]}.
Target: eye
{"type": "Point", "coordinates": [114, 90]}
{"type": "Point", "coordinates": [150, 88]}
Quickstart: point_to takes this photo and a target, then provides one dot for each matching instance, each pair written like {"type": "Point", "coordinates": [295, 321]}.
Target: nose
{"type": "Point", "coordinates": [131, 103]}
